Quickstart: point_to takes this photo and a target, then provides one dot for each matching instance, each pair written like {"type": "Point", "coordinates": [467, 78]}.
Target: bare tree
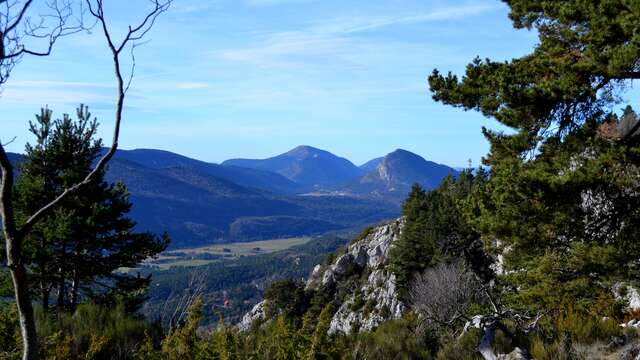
{"type": "Point", "coordinates": [27, 30]}
{"type": "Point", "coordinates": [442, 297]}
{"type": "Point", "coordinates": [15, 234]}
{"type": "Point", "coordinates": [443, 294]}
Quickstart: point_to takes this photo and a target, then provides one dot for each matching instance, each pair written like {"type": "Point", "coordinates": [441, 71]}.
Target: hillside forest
{"type": "Point", "coordinates": [532, 255]}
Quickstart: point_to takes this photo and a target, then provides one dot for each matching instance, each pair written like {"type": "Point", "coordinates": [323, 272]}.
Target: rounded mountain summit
{"type": "Point", "coordinates": [305, 165]}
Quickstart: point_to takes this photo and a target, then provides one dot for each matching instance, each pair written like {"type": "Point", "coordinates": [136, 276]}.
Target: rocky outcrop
{"type": "Point", "coordinates": [378, 303]}
{"type": "Point", "coordinates": [371, 297]}
{"type": "Point", "coordinates": [256, 313]}
{"type": "Point", "coordinates": [360, 282]}
{"type": "Point", "coordinates": [628, 295]}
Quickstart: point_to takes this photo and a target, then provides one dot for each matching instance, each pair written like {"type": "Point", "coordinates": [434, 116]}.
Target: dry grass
{"type": "Point", "coordinates": [188, 257]}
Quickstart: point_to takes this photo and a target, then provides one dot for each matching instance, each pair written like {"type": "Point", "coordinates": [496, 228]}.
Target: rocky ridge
{"type": "Point", "coordinates": [360, 281]}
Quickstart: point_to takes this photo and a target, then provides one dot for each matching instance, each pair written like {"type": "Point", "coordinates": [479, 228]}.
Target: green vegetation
{"type": "Point", "coordinates": [75, 251]}
{"type": "Point", "coordinates": [240, 280]}
{"type": "Point", "coordinates": [561, 200]}
{"type": "Point", "coordinates": [437, 230]}
{"type": "Point", "coordinates": [556, 210]}
{"type": "Point", "coordinates": [267, 227]}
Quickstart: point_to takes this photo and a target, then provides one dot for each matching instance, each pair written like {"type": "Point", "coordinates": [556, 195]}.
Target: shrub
{"type": "Point", "coordinates": [463, 348]}
{"type": "Point", "coordinates": [394, 339]}
{"type": "Point", "coordinates": [93, 331]}
{"type": "Point", "coordinates": [586, 328]}
{"type": "Point", "coordinates": [286, 297]}
{"type": "Point", "coordinates": [10, 341]}
{"type": "Point", "coordinates": [442, 295]}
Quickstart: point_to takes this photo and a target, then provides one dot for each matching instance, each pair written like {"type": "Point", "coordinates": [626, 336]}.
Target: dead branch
{"type": "Point", "coordinates": [26, 31]}
{"type": "Point", "coordinates": [176, 307]}
{"type": "Point", "coordinates": [13, 29]}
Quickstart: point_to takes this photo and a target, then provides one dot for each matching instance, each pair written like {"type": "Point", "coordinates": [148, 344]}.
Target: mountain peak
{"type": "Point", "coordinates": [304, 148]}
{"type": "Point", "coordinates": [305, 165]}
{"type": "Point", "coordinates": [398, 171]}
{"type": "Point", "coordinates": [304, 151]}
{"type": "Point", "coordinates": [402, 153]}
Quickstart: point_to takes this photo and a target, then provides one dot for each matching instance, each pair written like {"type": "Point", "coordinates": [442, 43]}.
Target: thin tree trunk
{"type": "Point", "coordinates": [61, 290]}
{"type": "Point", "coordinates": [45, 298]}
{"type": "Point", "coordinates": [74, 289]}
{"type": "Point", "coordinates": [45, 288]}
{"type": "Point", "coordinates": [25, 310]}
{"type": "Point", "coordinates": [19, 277]}
{"type": "Point", "coordinates": [61, 279]}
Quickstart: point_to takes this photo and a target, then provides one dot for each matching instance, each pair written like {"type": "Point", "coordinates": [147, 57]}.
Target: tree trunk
{"type": "Point", "coordinates": [45, 288]}
{"type": "Point", "coordinates": [13, 243]}
{"type": "Point", "coordinates": [45, 298]}
{"type": "Point", "coordinates": [74, 289]}
{"type": "Point", "coordinates": [61, 282]}
{"type": "Point", "coordinates": [61, 289]}
{"type": "Point", "coordinates": [27, 321]}
{"type": "Point", "coordinates": [485, 347]}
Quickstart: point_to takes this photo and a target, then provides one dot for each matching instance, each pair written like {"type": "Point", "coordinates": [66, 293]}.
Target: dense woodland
{"type": "Point", "coordinates": [524, 252]}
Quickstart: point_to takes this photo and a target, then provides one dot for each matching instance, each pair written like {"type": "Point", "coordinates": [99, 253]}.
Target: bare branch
{"type": "Point", "coordinates": [442, 295]}
{"type": "Point", "coordinates": [98, 12]}
{"type": "Point", "coordinates": [9, 142]}
{"type": "Point", "coordinates": [180, 303]}
{"type": "Point", "coordinates": [18, 25]}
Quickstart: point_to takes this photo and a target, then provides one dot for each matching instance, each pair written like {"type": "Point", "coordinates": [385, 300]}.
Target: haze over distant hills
{"type": "Point", "coordinates": [305, 191]}
{"type": "Point", "coordinates": [252, 178]}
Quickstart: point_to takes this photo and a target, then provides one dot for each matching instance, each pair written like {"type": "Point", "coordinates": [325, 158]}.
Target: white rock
{"type": "Point", "coordinates": [379, 298]}
{"type": "Point", "coordinates": [378, 290]}
{"type": "Point", "coordinates": [631, 296]}
{"type": "Point", "coordinates": [257, 313]}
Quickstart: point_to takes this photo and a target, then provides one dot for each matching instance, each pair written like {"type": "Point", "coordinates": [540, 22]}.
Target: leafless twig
{"type": "Point", "coordinates": [176, 306]}
{"type": "Point", "coordinates": [29, 30]}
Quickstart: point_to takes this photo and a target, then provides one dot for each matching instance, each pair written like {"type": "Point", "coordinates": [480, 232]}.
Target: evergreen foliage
{"type": "Point", "coordinates": [560, 204]}
{"type": "Point", "coordinates": [436, 229]}
{"type": "Point", "coordinates": [77, 250]}
{"type": "Point", "coordinates": [563, 191]}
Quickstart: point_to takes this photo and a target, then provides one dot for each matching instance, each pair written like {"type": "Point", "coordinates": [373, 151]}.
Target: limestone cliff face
{"type": "Point", "coordinates": [359, 280]}
{"type": "Point", "coordinates": [371, 297]}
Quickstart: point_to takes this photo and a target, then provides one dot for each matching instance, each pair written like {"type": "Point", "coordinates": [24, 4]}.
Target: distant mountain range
{"type": "Point", "coordinates": [305, 191]}
{"type": "Point", "coordinates": [305, 165]}
{"type": "Point", "coordinates": [252, 178]}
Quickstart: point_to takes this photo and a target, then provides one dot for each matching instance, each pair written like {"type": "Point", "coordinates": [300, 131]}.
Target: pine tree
{"type": "Point", "coordinates": [437, 229]}
{"type": "Point", "coordinates": [77, 250]}
{"type": "Point", "coordinates": [415, 249]}
{"type": "Point", "coordinates": [562, 190]}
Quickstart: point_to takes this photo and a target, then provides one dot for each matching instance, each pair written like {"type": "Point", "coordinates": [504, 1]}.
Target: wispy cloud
{"type": "Point", "coordinates": [192, 85]}
{"type": "Point", "coordinates": [336, 42]}
{"type": "Point", "coordinates": [36, 93]}
{"type": "Point", "coordinates": [193, 6]}
{"type": "Point", "coordinates": [61, 84]}
{"type": "Point", "coordinates": [291, 49]}
{"type": "Point", "coordinates": [364, 23]}
{"type": "Point", "coordinates": [264, 3]}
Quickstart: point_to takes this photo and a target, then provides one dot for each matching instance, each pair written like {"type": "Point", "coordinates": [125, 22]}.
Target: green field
{"type": "Point", "coordinates": [212, 253]}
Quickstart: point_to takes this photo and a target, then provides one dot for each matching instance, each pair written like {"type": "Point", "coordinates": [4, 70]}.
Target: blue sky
{"type": "Point", "coordinates": [254, 78]}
